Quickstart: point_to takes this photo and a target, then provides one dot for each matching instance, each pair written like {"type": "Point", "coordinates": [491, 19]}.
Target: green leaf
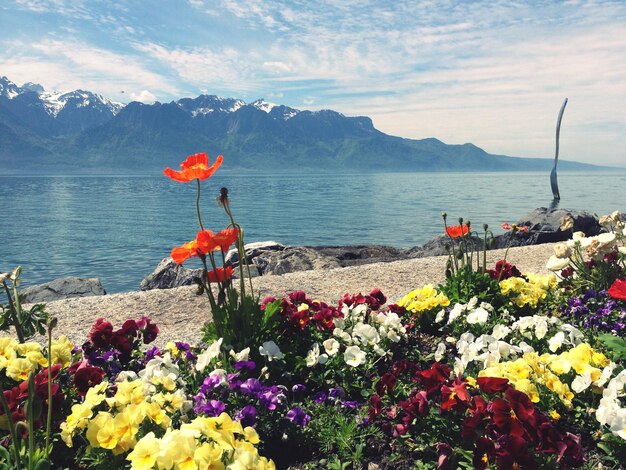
{"type": "Point", "coordinates": [616, 345]}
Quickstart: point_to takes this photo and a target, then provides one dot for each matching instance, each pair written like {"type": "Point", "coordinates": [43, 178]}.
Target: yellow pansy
{"type": "Point", "coordinates": [144, 455]}
{"type": "Point", "coordinates": [209, 456]}
{"type": "Point", "coordinates": [61, 351]}
{"type": "Point", "coordinates": [18, 369]}
{"type": "Point", "coordinates": [426, 298]}
{"type": "Point", "coordinates": [101, 431]}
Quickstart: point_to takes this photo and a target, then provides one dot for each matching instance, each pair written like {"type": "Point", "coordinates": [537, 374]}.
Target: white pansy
{"type": "Point", "coordinates": [126, 376]}
{"type": "Point", "coordinates": [367, 334]}
{"type": "Point", "coordinates": [331, 346]}
{"type": "Point", "coordinates": [575, 336]}
{"type": "Point", "coordinates": [339, 323]}
{"type": "Point", "coordinates": [455, 313]}
{"type": "Point", "coordinates": [556, 341]}
{"type": "Point", "coordinates": [353, 356]}
{"type": "Point", "coordinates": [478, 316]}
{"type": "Point", "coordinates": [440, 316]}
{"type": "Point", "coordinates": [441, 350]}
{"type": "Point", "coordinates": [205, 358]}
{"type": "Point", "coordinates": [393, 336]}
{"type": "Point", "coordinates": [240, 356]}
{"type": "Point", "coordinates": [342, 335]}
{"type": "Point", "coordinates": [313, 355]}
{"type": "Point", "coordinates": [271, 350]}
{"type": "Point", "coordinates": [606, 375]}
{"type": "Point", "coordinates": [500, 331]}
{"type": "Point", "coordinates": [525, 347]}
{"type": "Point", "coordinates": [472, 303]}
{"type": "Point", "coordinates": [380, 351]}
{"type": "Point", "coordinates": [581, 382]}
{"type": "Point", "coordinates": [541, 327]}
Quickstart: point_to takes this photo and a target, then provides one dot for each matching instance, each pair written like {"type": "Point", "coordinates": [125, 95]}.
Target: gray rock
{"type": "Point", "coordinates": [63, 288]}
{"type": "Point", "coordinates": [437, 246]}
{"type": "Point", "coordinates": [168, 275]}
{"type": "Point", "coordinates": [293, 259]}
{"type": "Point", "coordinates": [549, 220]}
{"type": "Point", "coordinates": [252, 250]}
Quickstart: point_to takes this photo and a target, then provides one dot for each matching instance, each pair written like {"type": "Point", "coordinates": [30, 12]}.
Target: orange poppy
{"type": "Point", "coordinates": [182, 253]}
{"type": "Point", "coordinates": [208, 241]}
{"type": "Point", "coordinates": [457, 230]}
{"type": "Point", "coordinates": [221, 274]}
{"type": "Point", "coordinates": [194, 167]}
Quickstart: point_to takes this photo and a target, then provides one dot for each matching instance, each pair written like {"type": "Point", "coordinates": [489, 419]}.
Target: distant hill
{"type": "Point", "coordinates": [80, 131]}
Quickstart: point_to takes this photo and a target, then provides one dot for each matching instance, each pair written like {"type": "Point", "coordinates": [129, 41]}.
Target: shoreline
{"type": "Point", "coordinates": [180, 313]}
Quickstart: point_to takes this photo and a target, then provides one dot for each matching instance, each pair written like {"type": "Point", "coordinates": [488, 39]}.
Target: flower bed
{"type": "Point", "coordinates": [492, 369]}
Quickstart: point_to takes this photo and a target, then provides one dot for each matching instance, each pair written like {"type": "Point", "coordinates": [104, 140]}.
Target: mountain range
{"type": "Point", "coordinates": [83, 132]}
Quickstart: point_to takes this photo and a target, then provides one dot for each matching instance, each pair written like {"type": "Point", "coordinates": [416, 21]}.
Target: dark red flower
{"type": "Point", "coordinates": [512, 453]}
{"type": "Point", "coordinates": [504, 270]}
{"type": "Point", "coordinates": [618, 289]}
{"type": "Point", "coordinates": [444, 451]}
{"type": "Point", "coordinates": [415, 405]}
{"type": "Point", "coordinates": [375, 407]}
{"type": "Point", "coordinates": [491, 385]}
{"type": "Point", "coordinates": [455, 397]}
{"type": "Point", "coordinates": [505, 419]}
{"type": "Point", "coordinates": [150, 332]}
{"type": "Point", "coordinates": [129, 328]}
{"type": "Point", "coordinates": [434, 377]}
{"type": "Point", "coordinates": [386, 384]}
{"type": "Point", "coordinates": [484, 453]}
{"type": "Point", "coordinates": [86, 378]}
{"type": "Point", "coordinates": [101, 333]}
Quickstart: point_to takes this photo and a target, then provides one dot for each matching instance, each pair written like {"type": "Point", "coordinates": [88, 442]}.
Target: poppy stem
{"type": "Point", "coordinates": [198, 205]}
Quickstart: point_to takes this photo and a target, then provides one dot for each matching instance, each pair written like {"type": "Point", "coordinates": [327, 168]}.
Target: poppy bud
{"type": "Point", "coordinates": [460, 220]}
{"type": "Point", "coordinates": [223, 197]}
{"type": "Point", "coordinates": [485, 227]}
{"type": "Point", "coordinates": [444, 215]}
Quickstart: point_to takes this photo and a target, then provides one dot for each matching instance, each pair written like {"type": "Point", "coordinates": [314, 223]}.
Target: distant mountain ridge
{"type": "Point", "coordinates": [80, 131]}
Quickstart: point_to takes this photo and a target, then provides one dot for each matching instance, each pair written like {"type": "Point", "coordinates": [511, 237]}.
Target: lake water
{"type": "Point", "coordinates": [118, 228]}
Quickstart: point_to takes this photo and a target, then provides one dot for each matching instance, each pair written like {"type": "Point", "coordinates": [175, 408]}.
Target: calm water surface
{"type": "Point", "coordinates": [118, 228]}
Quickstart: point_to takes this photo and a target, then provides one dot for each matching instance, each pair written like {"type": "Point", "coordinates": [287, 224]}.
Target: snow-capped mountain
{"type": "Point", "coordinates": [79, 130]}
{"type": "Point", "coordinates": [55, 102]}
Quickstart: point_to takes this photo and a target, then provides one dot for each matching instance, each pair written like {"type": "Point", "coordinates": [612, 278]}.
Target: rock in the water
{"type": "Point", "coordinates": [168, 275]}
{"type": "Point", "coordinates": [293, 259]}
{"type": "Point", "coordinates": [63, 288]}
{"type": "Point", "coordinates": [549, 220]}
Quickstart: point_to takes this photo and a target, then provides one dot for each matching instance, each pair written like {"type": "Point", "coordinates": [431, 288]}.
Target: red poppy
{"type": "Point", "coordinates": [456, 231]}
{"type": "Point", "coordinates": [221, 274]}
{"type": "Point", "coordinates": [194, 167]}
{"type": "Point", "coordinates": [618, 289]}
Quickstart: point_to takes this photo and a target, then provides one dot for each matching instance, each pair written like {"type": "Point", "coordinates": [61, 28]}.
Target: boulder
{"type": "Point", "coordinates": [549, 220]}
{"type": "Point", "coordinates": [62, 288]}
{"type": "Point", "coordinates": [292, 259]}
{"type": "Point", "coordinates": [252, 250]}
{"type": "Point", "coordinates": [437, 246]}
{"type": "Point", "coordinates": [168, 275]}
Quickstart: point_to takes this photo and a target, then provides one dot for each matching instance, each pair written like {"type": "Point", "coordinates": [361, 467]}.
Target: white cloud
{"type": "Point", "coordinates": [143, 97]}
{"type": "Point", "coordinates": [49, 62]}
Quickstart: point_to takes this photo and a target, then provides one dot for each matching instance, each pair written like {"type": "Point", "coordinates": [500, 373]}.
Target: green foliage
{"type": "Point", "coordinates": [467, 283]}
{"type": "Point", "coordinates": [12, 314]}
{"type": "Point", "coordinates": [615, 345]}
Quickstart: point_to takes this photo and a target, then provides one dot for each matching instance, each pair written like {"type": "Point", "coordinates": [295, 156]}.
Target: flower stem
{"type": "Point", "coordinates": [49, 417]}
{"type": "Point", "coordinates": [198, 205]}
{"type": "Point", "coordinates": [14, 312]}
{"type": "Point", "coordinates": [14, 436]}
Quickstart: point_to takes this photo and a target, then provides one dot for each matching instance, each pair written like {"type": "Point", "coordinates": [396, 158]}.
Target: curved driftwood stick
{"type": "Point", "coordinates": [553, 181]}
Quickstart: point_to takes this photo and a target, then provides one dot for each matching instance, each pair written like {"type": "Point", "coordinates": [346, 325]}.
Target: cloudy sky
{"type": "Point", "coordinates": [493, 73]}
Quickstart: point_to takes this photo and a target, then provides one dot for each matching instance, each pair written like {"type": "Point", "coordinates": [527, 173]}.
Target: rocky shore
{"type": "Point", "coordinates": [180, 313]}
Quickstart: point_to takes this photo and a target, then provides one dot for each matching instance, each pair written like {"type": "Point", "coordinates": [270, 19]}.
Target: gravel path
{"type": "Point", "coordinates": [180, 313]}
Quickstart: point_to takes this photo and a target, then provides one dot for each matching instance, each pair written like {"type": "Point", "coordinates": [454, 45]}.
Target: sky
{"type": "Point", "coordinates": [493, 73]}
